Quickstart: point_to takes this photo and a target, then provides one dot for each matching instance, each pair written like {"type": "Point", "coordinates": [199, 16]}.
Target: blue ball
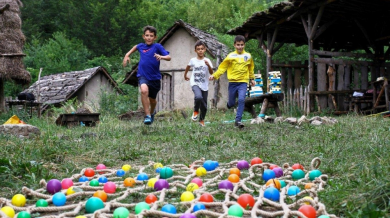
{"type": "Point", "coordinates": [83, 179]}
{"type": "Point", "coordinates": [158, 170]}
{"type": "Point", "coordinates": [169, 208]}
{"type": "Point", "coordinates": [120, 173]}
{"type": "Point", "coordinates": [293, 190]}
{"type": "Point", "coordinates": [199, 206]}
{"type": "Point", "coordinates": [216, 164]}
{"type": "Point", "coordinates": [272, 194]}
{"type": "Point", "coordinates": [268, 174]}
{"type": "Point", "coordinates": [209, 165]}
{"type": "Point", "coordinates": [59, 199]}
{"type": "Point", "coordinates": [103, 179]}
{"type": "Point", "coordinates": [142, 177]}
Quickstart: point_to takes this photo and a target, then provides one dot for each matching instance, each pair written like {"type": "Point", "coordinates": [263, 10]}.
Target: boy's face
{"type": "Point", "coordinates": [240, 45]}
{"type": "Point", "coordinates": [149, 37]}
{"type": "Point", "coordinates": [200, 50]}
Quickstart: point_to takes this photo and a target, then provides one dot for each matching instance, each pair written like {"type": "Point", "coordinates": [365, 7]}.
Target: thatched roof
{"type": "Point", "coordinates": [11, 43]}
{"type": "Point", "coordinates": [58, 88]}
{"type": "Point", "coordinates": [210, 40]}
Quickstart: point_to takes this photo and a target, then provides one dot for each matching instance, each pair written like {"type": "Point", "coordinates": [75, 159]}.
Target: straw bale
{"type": "Point", "coordinates": [10, 20]}
{"type": "Point", "coordinates": [13, 68]}
{"type": "Point", "coordinates": [11, 43]}
{"type": "Point", "coordinates": [14, 5]}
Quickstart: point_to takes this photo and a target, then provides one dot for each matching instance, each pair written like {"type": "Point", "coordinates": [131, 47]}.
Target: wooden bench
{"type": "Point", "coordinates": [26, 104]}
{"type": "Point", "coordinates": [70, 120]}
{"type": "Point", "coordinates": [267, 100]}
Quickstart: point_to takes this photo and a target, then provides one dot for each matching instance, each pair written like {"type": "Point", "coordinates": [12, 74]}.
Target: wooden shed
{"type": "Point", "coordinates": [86, 85]}
{"type": "Point", "coordinates": [348, 50]}
{"type": "Point", "coordinates": [176, 93]}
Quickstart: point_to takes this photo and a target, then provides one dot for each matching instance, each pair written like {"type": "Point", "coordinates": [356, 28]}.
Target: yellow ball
{"type": "Point", "coordinates": [126, 167]}
{"type": "Point", "coordinates": [201, 171]}
{"type": "Point", "coordinates": [151, 182]}
{"type": "Point", "coordinates": [81, 217]}
{"type": "Point", "coordinates": [157, 165]}
{"type": "Point", "coordinates": [70, 191]}
{"type": "Point", "coordinates": [187, 196]}
{"type": "Point", "coordinates": [9, 211]}
{"type": "Point", "coordinates": [18, 200]}
{"type": "Point", "coordinates": [306, 202]}
{"type": "Point", "coordinates": [192, 187]}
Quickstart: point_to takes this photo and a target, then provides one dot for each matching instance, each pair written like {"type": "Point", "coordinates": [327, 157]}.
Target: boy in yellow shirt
{"type": "Point", "coordinates": [240, 71]}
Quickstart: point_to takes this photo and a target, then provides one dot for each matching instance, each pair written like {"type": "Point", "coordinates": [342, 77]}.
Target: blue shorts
{"type": "Point", "coordinates": [153, 85]}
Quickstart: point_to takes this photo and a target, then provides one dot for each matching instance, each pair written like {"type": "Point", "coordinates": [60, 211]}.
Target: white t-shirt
{"type": "Point", "coordinates": [200, 73]}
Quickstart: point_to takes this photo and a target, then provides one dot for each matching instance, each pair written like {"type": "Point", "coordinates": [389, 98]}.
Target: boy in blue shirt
{"type": "Point", "coordinates": [149, 76]}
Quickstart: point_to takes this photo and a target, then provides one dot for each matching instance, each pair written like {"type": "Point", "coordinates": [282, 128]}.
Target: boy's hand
{"type": "Point", "coordinates": [125, 60]}
{"type": "Point", "coordinates": [186, 78]}
{"type": "Point", "coordinates": [253, 83]}
{"type": "Point", "coordinates": [157, 56]}
{"type": "Point", "coordinates": [211, 77]}
{"type": "Point", "coordinates": [207, 63]}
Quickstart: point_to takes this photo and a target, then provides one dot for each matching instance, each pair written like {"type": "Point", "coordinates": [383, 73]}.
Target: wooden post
{"type": "Point", "coordinates": [297, 75]}
{"type": "Point", "coordinates": [311, 64]}
{"type": "Point", "coordinates": [332, 86]}
{"type": "Point", "coordinates": [290, 78]}
{"type": "Point", "coordinates": [2, 99]}
{"type": "Point", "coordinates": [284, 79]}
{"type": "Point", "coordinates": [364, 76]}
{"type": "Point", "coordinates": [347, 77]}
{"type": "Point", "coordinates": [216, 82]}
{"type": "Point", "coordinates": [264, 106]}
{"type": "Point", "coordinates": [321, 85]}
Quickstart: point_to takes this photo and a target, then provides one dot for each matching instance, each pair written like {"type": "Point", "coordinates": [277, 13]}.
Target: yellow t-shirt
{"type": "Point", "coordinates": [239, 67]}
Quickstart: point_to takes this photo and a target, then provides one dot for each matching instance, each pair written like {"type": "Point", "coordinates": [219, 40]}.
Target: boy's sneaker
{"type": "Point", "coordinates": [152, 116]}
{"type": "Point", "coordinates": [239, 124]}
{"type": "Point", "coordinates": [201, 123]}
{"type": "Point", "coordinates": [148, 120]}
{"type": "Point", "coordinates": [195, 116]}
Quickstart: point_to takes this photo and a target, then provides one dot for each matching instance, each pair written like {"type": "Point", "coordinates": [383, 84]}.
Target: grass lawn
{"type": "Point", "coordinates": [355, 152]}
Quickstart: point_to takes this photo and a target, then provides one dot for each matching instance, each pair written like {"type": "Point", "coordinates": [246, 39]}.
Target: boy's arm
{"type": "Point", "coordinates": [185, 73]}
{"type": "Point", "coordinates": [161, 57]}
{"type": "Point", "coordinates": [221, 69]}
{"type": "Point", "coordinates": [211, 71]}
{"type": "Point", "coordinates": [252, 72]}
{"type": "Point", "coordinates": [126, 58]}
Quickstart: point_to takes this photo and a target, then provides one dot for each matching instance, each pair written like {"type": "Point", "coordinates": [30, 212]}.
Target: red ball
{"type": "Point", "coordinates": [151, 198]}
{"type": "Point", "coordinates": [308, 211]}
{"type": "Point", "coordinates": [89, 172]}
{"type": "Point", "coordinates": [206, 197]}
{"type": "Point", "coordinates": [297, 166]}
{"type": "Point", "coordinates": [273, 166]}
{"type": "Point", "coordinates": [109, 187]}
{"type": "Point", "coordinates": [256, 160]}
{"type": "Point", "coordinates": [246, 201]}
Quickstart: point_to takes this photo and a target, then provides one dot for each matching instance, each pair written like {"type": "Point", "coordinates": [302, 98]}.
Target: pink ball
{"type": "Point", "coordinates": [109, 187]}
{"type": "Point", "coordinates": [197, 181]}
{"type": "Point", "coordinates": [53, 186]}
{"type": "Point", "coordinates": [100, 167]}
{"type": "Point", "coordinates": [66, 183]}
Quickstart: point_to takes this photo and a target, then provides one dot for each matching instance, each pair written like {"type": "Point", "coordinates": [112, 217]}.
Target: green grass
{"type": "Point", "coordinates": [355, 152]}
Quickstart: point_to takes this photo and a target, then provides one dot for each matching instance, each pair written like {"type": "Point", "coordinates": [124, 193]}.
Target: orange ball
{"type": "Point", "coordinates": [297, 166]}
{"type": "Point", "coordinates": [246, 201]}
{"type": "Point", "coordinates": [101, 194]}
{"type": "Point", "coordinates": [308, 211]}
{"type": "Point", "coordinates": [150, 198]}
{"type": "Point", "coordinates": [274, 183]}
{"type": "Point", "coordinates": [129, 182]}
{"type": "Point", "coordinates": [235, 171]}
{"type": "Point", "coordinates": [233, 178]}
{"type": "Point", "coordinates": [89, 172]}
{"type": "Point", "coordinates": [309, 185]}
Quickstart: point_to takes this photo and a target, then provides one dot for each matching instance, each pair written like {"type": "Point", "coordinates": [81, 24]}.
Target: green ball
{"type": "Point", "coordinates": [282, 183]}
{"type": "Point", "coordinates": [235, 210]}
{"type": "Point", "coordinates": [323, 216]}
{"type": "Point", "coordinates": [24, 214]}
{"type": "Point", "coordinates": [93, 204]}
{"type": "Point", "coordinates": [141, 206]}
{"type": "Point", "coordinates": [314, 174]}
{"type": "Point", "coordinates": [94, 182]}
{"type": "Point", "coordinates": [121, 212]}
{"type": "Point", "coordinates": [41, 203]}
{"type": "Point", "coordinates": [166, 173]}
{"type": "Point", "coordinates": [298, 174]}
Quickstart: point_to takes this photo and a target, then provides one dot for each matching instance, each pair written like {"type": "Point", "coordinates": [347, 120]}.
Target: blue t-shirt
{"type": "Point", "coordinates": [149, 66]}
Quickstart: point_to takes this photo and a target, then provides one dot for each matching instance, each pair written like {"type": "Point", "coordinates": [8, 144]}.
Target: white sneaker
{"type": "Point", "coordinates": [195, 116]}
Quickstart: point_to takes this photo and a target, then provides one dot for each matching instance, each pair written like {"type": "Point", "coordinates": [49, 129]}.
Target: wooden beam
{"type": "Point", "coordinates": [271, 46]}
{"type": "Point", "coordinates": [346, 54]}
{"type": "Point", "coordinates": [305, 26]}
{"type": "Point", "coordinates": [311, 7]}
{"type": "Point", "coordinates": [317, 21]}
{"type": "Point", "coordinates": [277, 47]}
{"type": "Point", "coordinates": [363, 31]}
{"type": "Point", "coordinates": [289, 65]}
{"type": "Point", "coordinates": [262, 45]}
{"type": "Point", "coordinates": [323, 28]}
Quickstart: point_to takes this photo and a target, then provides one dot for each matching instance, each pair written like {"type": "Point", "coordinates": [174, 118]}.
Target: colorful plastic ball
{"type": "Point", "coordinates": [268, 174]}
{"type": "Point", "coordinates": [187, 196]}
{"type": "Point", "coordinates": [151, 182]}
{"type": "Point", "coordinates": [282, 183]}
{"type": "Point", "coordinates": [293, 190]}
{"type": "Point", "coordinates": [297, 166]}
{"type": "Point", "coordinates": [324, 216]}
{"type": "Point", "coordinates": [197, 181]}
{"type": "Point", "coordinates": [129, 182]}
{"type": "Point", "coordinates": [59, 199]}
{"type": "Point", "coordinates": [89, 172]}
{"type": "Point", "coordinates": [158, 170]}
{"type": "Point", "coordinates": [192, 187]}
{"type": "Point", "coordinates": [126, 167]}
{"type": "Point", "coordinates": [309, 185]}
{"type": "Point", "coordinates": [169, 208]}
{"type": "Point", "coordinates": [166, 173]}
{"type": "Point", "coordinates": [278, 172]}
{"type": "Point", "coordinates": [121, 212]}
{"type": "Point", "coordinates": [298, 174]}
{"type": "Point", "coordinates": [206, 197]}
{"type": "Point", "coordinates": [308, 211]}
{"type": "Point", "coordinates": [161, 184]}
{"type": "Point", "coordinates": [120, 173]}
{"type": "Point", "coordinates": [272, 194]}
{"type": "Point", "coordinates": [41, 203]}
{"type": "Point", "coordinates": [273, 183]}
{"type": "Point", "coordinates": [209, 165]}
{"type": "Point", "coordinates": [235, 171]}
{"type": "Point", "coordinates": [93, 204]}
{"type": "Point", "coordinates": [242, 165]}
{"type": "Point", "coordinates": [100, 194]}
{"type": "Point", "coordinates": [314, 174]}
{"type": "Point", "coordinates": [53, 186]}
{"type": "Point", "coordinates": [307, 202]}
{"type": "Point", "coordinates": [102, 179]}
{"type": "Point", "coordinates": [9, 211]}
{"type": "Point", "coordinates": [18, 200]}
{"type": "Point", "coordinates": [140, 207]}
{"type": "Point", "coordinates": [199, 206]}
{"type": "Point", "coordinates": [246, 201]}
{"type": "Point", "coordinates": [225, 184]}
{"type": "Point", "coordinates": [216, 164]}
{"type": "Point", "coordinates": [235, 210]}
{"type": "Point", "coordinates": [142, 177]}
{"type": "Point", "coordinates": [150, 198]}
{"type": "Point", "coordinates": [24, 214]}
{"type": "Point", "coordinates": [109, 187]}
{"type": "Point", "coordinates": [100, 167]}
{"type": "Point", "coordinates": [272, 166]}
{"type": "Point", "coordinates": [94, 183]}
{"type": "Point", "coordinates": [188, 215]}
{"type": "Point", "coordinates": [157, 165]}
{"type": "Point", "coordinates": [66, 183]}
{"type": "Point", "coordinates": [83, 179]}
{"type": "Point", "coordinates": [81, 217]}
{"type": "Point", "coordinates": [233, 178]}
{"type": "Point", "coordinates": [256, 160]}
{"type": "Point", "coordinates": [70, 191]}
{"type": "Point", "coordinates": [201, 171]}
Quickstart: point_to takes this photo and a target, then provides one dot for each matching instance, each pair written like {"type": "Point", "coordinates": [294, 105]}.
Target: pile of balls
{"type": "Point", "coordinates": [204, 188]}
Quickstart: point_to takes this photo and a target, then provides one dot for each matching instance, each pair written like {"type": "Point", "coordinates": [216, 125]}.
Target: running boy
{"type": "Point", "coordinates": [148, 74]}
{"type": "Point", "coordinates": [240, 70]}
{"type": "Point", "coordinates": [202, 68]}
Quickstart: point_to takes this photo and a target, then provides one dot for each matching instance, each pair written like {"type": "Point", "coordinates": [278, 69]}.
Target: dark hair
{"type": "Point", "coordinates": [239, 38]}
{"type": "Point", "coordinates": [151, 29]}
{"type": "Point", "coordinates": [199, 43]}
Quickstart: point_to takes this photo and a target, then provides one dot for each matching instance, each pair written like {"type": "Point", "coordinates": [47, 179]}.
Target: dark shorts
{"type": "Point", "coordinates": [153, 85]}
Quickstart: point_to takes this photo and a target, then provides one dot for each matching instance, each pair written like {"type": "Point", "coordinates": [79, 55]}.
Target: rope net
{"type": "Point", "coordinates": [186, 193]}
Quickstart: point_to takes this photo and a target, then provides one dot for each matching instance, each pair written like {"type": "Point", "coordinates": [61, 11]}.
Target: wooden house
{"type": "Point", "coordinates": [176, 93]}
{"type": "Point", "coordinates": [86, 85]}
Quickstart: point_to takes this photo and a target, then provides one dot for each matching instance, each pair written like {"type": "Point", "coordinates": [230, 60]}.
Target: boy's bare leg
{"type": "Point", "coordinates": [153, 103]}
{"type": "Point", "coordinates": [145, 98]}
